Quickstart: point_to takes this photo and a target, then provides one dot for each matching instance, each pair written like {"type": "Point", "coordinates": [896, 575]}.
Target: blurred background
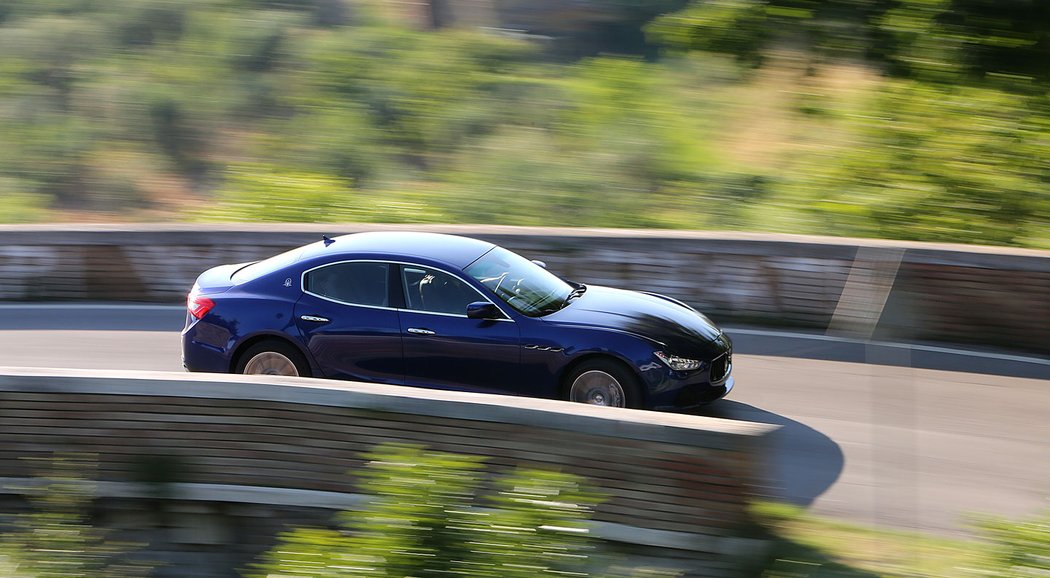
{"type": "Point", "coordinates": [904, 119]}
{"type": "Point", "coordinates": [922, 120]}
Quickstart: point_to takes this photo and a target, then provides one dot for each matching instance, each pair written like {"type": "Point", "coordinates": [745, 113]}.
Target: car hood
{"type": "Point", "coordinates": [682, 330]}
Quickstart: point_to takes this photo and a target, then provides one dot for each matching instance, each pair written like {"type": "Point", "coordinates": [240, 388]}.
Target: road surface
{"type": "Point", "coordinates": [870, 433]}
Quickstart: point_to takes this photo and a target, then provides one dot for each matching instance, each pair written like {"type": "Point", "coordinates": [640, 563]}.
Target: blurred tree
{"type": "Point", "coordinates": [917, 45]}
{"type": "Point", "coordinates": [940, 164]}
{"type": "Point", "coordinates": [146, 23]}
{"type": "Point", "coordinates": [152, 103]}
{"type": "Point", "coordinates": [1002, 37]}
{"type": "Point", "coordinates": [737, 27]}
{"type": "Point", "coordinates": [176, 137]}
{"type": "Point", "coordinates": [747, 28]}
{"type": "Point", "coordinates": [415, 86]}
{"type": "Point", "coordinates": [978, 37]}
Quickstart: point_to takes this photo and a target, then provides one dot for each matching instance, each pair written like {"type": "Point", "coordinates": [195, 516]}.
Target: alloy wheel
{"type": "Point", "coordinates": [270, 363]}
{"type": "Point", "coordinates": [596, 387]}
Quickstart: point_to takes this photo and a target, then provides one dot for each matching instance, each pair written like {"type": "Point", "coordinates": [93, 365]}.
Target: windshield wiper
{"type": "Point", "coordinates": [550, 309]}
{"type": "Point", "coordinates": [580, 290]}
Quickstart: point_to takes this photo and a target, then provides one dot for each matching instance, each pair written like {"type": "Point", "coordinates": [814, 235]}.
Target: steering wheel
{"type": "Point", "coordinates": [498, 279]}
{"type": "Point", "coordinates": [502, 278]}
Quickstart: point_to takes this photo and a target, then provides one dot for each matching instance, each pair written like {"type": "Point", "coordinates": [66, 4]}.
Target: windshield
{"type": "Point", "coordinates": [522, 284]}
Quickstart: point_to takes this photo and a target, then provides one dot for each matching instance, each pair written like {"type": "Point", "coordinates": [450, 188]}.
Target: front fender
{"type": "Point", "coordinates": [564, 346]}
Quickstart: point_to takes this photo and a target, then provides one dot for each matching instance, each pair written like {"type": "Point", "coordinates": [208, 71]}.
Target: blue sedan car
{"type": "Point", "coordinates": [451, 312]}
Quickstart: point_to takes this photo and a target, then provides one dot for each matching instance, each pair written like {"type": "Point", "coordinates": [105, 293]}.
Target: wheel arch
{"type": "Point", "coordinates": [246, 344]}
{"type": "Point", "coordinates": [563, 385]}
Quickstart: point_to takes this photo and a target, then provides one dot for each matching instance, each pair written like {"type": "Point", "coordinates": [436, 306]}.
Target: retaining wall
{"type": "Point", "coordinates": [892, 290]}
{"type": "Point", "coordinates": [243, 456]}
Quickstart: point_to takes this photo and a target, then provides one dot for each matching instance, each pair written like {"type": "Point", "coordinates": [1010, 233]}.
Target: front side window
{"type": "Point", "coordinates": [435, 291]}
{"type": "Point", "coordinates": [520, 283]}
{"type": "Point", "coordinates": [357, 283]}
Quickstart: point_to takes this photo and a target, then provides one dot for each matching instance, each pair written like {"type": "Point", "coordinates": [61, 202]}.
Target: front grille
{"type": "Point", "coordinates": [720, 367]}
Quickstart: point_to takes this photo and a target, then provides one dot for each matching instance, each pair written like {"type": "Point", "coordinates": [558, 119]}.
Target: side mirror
{"type": "Point", "coordinates": [540, 263]}
{"type": "Point", "coordinates": [483, 310]}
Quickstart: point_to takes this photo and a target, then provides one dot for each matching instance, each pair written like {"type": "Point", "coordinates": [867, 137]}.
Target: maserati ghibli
{"type": "Point", "coordinates": [451, 312]}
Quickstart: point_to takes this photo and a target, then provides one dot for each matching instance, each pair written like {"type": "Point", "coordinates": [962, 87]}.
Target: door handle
{"type": "Point", "coordinates": [420, 331]}
{"type": "Point", "coordinates": [314, 318]}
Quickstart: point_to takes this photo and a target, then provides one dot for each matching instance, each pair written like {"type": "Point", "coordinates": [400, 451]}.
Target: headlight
{"type": "Point", "coordinates": [678, 363]}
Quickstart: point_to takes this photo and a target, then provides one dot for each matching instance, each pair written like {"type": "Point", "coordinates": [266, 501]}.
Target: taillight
{"type": "Point", "coordinates": [198, 305]}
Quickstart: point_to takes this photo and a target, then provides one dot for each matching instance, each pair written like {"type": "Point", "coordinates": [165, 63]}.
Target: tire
{"type": "Point", "coordinates": [603, 382]}
{"type": "Point", "coordinates": [273, 357]}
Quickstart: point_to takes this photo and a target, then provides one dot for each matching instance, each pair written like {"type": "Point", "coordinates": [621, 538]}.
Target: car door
{"type": "Point", "coordinates": [349, 322]}
{"type": "Point", "coordinates": [444, 348]}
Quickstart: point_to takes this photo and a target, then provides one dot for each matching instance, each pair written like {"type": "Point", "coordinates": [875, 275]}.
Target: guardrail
{"type": "Point", "coordinates": [864, 288]}
{"type": "Point", "coordinates": [244, 455]}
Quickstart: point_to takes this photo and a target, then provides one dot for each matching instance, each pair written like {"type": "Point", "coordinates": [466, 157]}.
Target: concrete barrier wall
{"type": "Point", "coordinates": [892, 290]}
{"type": "Point", "coordinates": [243, 455]}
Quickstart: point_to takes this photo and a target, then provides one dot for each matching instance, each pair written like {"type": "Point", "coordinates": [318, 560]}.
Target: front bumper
{"type": "Point", "coordinates": [668, 389]}
{"type": "Point", "coordinates": [692, 397]}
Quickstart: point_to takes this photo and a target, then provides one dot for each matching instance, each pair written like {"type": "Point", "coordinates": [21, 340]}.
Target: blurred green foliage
{"type": "Point", "coordinates": [915, 119]}
{"type": "Point", "coordinates": [434, 513]}
{"type": "Point", "coordinates": [1019, 548]}
{"type": "Point", "coordinates": [56, 539]}
{"type": "Point", "coordinates": [21, 207]}
{"type": "Point", "coordinates": [808, 545]}
{"type": "Point", "coordinates": [950, 163]}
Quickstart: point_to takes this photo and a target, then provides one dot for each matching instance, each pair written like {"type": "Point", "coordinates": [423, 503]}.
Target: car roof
{"type": "Point", "coordinates": [450, 249]}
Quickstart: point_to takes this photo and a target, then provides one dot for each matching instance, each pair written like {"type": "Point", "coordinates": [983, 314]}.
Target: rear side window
{"type": "Point", "coordinates": [357, 283]}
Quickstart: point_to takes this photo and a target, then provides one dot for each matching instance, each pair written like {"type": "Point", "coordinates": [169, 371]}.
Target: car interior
{"type": "Point", "coordinates": [437, 292]}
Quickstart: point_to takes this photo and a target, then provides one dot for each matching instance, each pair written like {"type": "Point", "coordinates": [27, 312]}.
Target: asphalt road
{"type": "Point", "coordinates": [872, 433]}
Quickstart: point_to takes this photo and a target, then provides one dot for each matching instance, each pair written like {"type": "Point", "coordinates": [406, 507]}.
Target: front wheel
{"type": "Point", "coordinates": [273, 358]}
{"type": "Point", "coordinates": [603, 382]}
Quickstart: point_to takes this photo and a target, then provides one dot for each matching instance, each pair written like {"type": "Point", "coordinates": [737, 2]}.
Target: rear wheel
{"type": "Point", "coordinates": [273, 358]}
{"type": "Point", "coordinates": [603, 382]}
